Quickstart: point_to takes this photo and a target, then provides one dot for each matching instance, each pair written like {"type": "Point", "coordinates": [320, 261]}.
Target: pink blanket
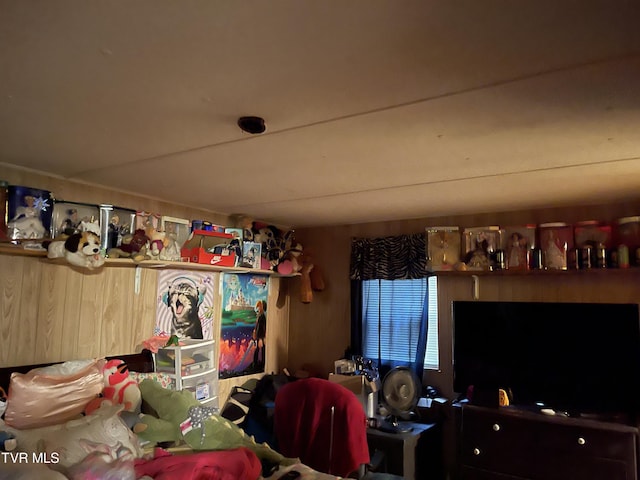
{"type": "Point", "coordinates": [237, 464]}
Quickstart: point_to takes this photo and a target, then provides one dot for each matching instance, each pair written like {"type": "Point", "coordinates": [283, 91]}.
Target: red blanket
{"type": "Point", "coordinates": [238, 464]}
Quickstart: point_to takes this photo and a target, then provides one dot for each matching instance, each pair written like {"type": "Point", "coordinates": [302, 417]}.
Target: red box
{"type": "Point", "coordinates": [592, 233]}
{"type": "Point", "coordinates": [195, 249]}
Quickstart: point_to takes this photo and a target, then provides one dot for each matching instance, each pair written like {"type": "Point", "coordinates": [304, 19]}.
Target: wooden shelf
{"type": "Point", "coordinates": [125, 262]}
{"type": "Point", "coordinates": [516, 273]}
{"type": "Point", "coordinates": [10, 249]}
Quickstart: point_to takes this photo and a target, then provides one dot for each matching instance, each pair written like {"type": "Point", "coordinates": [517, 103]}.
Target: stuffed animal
{"type": "Point", "coordinates": [80, 249]}
{"type": "Point", "coordinates": [89, 225]}
{"type": "Point", "coordinates": [171, 250]}
{"type": "Point", "coordinates": [315, 275]}
{"type": "Point", "coordinates": [133, 246]}
{"type": "Point", "coordinates": [275, 243]}
{"type": "Point", "coordinates": [239, 220]}
{"type": "Point", "coordinates": [265, 236]}
{"type": "Point", "coordinates": [182, 417]}
{"type": "Point", "coordinates": [306, 292]}
{"type": "Point", "coordinates": [119, 388]}
{"type": "Point", "coordinates": [157, 241]}
{"type": "Point", "coordinates": [290, 262]}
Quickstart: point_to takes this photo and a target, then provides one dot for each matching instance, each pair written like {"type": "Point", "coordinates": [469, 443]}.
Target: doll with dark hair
{"type": "Point", "coordinates": [259, 335]}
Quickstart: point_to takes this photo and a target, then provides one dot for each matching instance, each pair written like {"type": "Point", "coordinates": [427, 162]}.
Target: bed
{"type": "Point", "coordinates": [103, 445]}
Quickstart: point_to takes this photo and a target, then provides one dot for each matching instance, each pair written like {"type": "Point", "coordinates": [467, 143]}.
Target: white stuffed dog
{"type": "Point", "coordinates": [80, 249]}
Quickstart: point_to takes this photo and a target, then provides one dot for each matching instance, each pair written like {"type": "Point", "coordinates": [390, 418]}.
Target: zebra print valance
{"type": "Point", "coordinates": [388, 258]}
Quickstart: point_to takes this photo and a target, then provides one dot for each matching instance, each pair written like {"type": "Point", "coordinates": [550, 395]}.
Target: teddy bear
{"type": "Point", "coordinates": [133, 246]}
{"type": "Point", "coordinates": [156, 243]}
{"type": "Point", "coordinates": [180, 417]}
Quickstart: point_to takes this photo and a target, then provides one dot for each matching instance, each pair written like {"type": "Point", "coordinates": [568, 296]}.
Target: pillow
{"type": "Point", "coordinates": [303, 473]}
{"type": "Point", "coordinates": [162, 378]}
{"type": "Point", "coordinates": [96, 467]}
{"type": "Point", "coordinates": [52, 395]}
{"type": "Point", "coordinates": [28, 471]}
{"type": "Point", "coordinates": [103, 432]}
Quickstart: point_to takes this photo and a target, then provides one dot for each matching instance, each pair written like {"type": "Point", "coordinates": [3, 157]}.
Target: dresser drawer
{"type": "Point", "coordinates": [554, 467]}
{"type": "Point", "coordinates": [509, 443]}
{"type": "Point", "coordinates": [579, 441]}
{"type": "Point", "coordinates": [469, 473]}
{"type": "Point", "coordinates": [491, 439]}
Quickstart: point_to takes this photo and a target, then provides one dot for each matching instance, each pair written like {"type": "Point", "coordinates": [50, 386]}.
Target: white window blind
{"type": "Point", "coordinates": [391, 312]}
{"type": "Point", "coordinates": [432, 355]}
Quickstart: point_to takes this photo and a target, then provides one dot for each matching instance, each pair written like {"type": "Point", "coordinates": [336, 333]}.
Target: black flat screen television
{"type": "Point", "coordinates": [582, 358]}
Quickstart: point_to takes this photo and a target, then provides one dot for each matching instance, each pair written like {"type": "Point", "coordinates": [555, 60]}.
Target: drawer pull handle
{"type": "Point", "coordinates": [476, 451]}
{"type": "Point", "coordinates": [581, 441]}
{"type": "Point", "coordinates": [496, 427]}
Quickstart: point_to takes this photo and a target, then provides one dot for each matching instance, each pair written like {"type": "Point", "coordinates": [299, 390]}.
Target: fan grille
{"type": "Point", "coordinates": [400, 390]}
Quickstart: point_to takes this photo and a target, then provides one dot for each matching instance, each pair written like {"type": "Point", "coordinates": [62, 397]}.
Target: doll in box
{"type": "Point", "coordinates": [26, 222]}
{"type": "Point", "coordinates": [517, 249]}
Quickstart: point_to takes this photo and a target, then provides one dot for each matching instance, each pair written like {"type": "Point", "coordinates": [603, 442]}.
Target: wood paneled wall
{"type": "Point", "coordinates": [52, 312]}
{"type": "Point", "coordinates": [70, 191]}
{"type": "Point", "coordinates": [320, 331]}
{"type": "Point", "coordinates": [613, 286]}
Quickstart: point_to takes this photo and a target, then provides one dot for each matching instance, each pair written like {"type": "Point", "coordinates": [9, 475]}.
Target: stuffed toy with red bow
{"type": "Point", "coordinates": [119, 388]}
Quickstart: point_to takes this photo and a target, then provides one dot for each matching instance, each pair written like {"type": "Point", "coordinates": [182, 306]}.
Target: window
{"type": "Point", "coordinates": [391, 314]}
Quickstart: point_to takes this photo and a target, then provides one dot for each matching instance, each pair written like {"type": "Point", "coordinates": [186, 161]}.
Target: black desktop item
{"type": "Point", "coordinates": [580, 358]}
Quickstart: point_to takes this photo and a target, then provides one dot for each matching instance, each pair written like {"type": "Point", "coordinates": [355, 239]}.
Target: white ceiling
{"type": "Point", "coordinates": [375, 109]}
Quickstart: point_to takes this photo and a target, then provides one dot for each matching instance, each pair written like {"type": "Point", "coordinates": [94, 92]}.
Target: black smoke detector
{"type": "Point", "coordinates": [252, 125]}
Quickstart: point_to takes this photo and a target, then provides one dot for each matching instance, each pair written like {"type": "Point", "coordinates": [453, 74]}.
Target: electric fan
{"type": "Point", "coordinates": [400, 395]}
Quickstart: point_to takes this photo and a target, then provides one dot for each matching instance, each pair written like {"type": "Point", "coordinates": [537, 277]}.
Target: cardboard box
{"type": "Point", "coordinates": [355, 383]}
{"type": "Point", "coordinates": [367, 392]}
{"type": "Point", "coordinates": [197, 249]}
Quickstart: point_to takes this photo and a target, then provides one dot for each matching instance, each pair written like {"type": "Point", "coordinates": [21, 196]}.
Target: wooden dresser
{"type": "Point", "coordinates": [507, 443]}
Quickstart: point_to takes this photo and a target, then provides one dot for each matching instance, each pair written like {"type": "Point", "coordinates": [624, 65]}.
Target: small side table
{"type": "Point", "coordinates": [415, 454]}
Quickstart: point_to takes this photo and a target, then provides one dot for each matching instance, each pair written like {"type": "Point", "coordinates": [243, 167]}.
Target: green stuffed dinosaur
{"type": "Point", "coordinates": [182, 417]}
